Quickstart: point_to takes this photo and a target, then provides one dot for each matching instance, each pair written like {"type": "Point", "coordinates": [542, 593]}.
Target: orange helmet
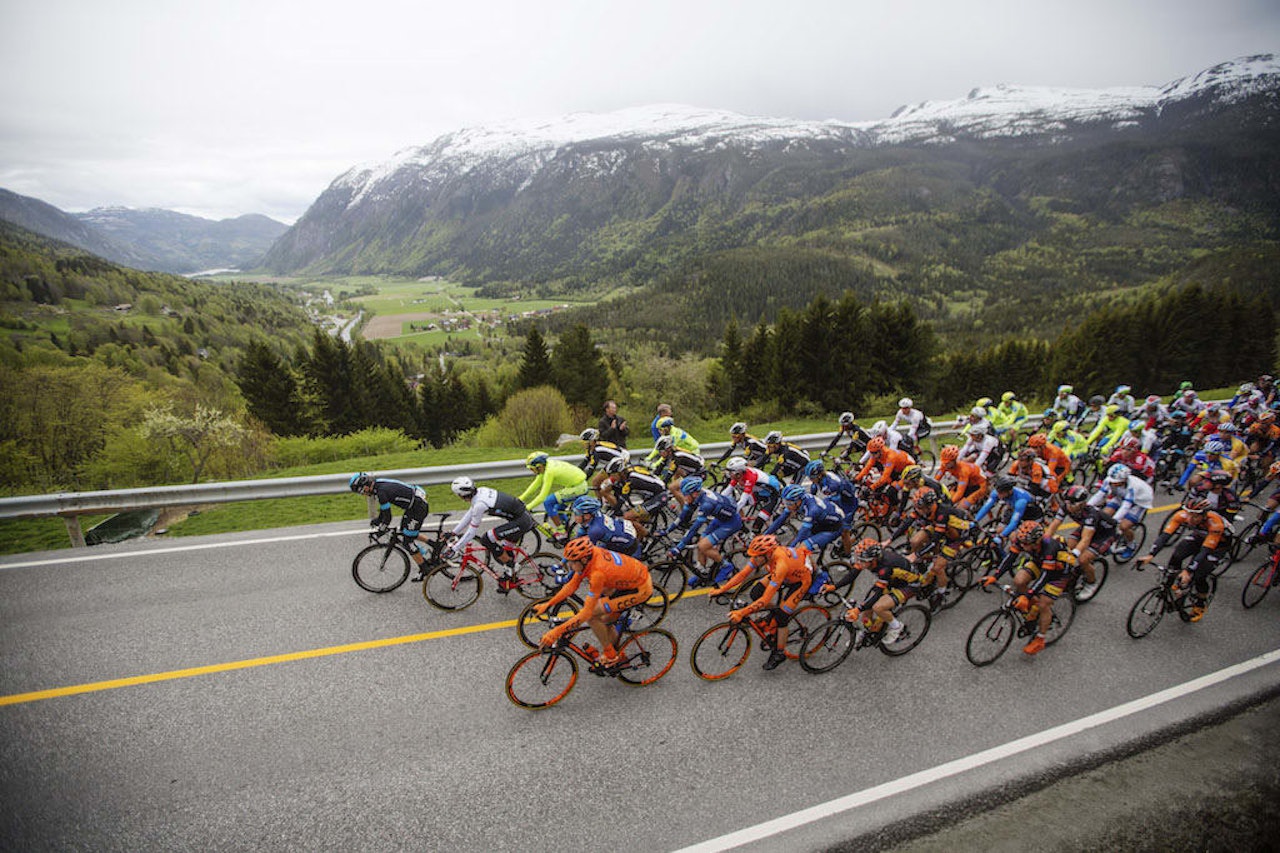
{"type": "Point", "coordinates": [579, 550]}
{"type": "Point", "coordinates": [875, 445]}
{"type": "Point", "coordinates": [762, 545]}
{"type": "Point", "coordinates": [950, 454]}
{"type": "Point", "coordinates": [867, 551]}
{"type": "Point", "coordinates": [1029, 533]}
{"type": "Point", "coordinates": [1036, 440]}
{"type": "Point", "coordinates": [924, 498]}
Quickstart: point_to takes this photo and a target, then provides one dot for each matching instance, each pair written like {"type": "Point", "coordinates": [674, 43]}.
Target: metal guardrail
{"type": "Point", "coordinates": [71, 505]}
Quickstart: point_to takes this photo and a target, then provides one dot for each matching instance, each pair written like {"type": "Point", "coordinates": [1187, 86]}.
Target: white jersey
{"type": "Point", "coordinates": [911, 421]}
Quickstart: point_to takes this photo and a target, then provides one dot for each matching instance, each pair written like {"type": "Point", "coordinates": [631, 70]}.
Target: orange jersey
{"type": "Point", "coordinates": [1056, 458]}
{"type": "Point", "coordinates": [1214, 526]}
{"type": "Point", "coordinates": [1037, 474]}
{"type": "Point", "coordinates": [892, 463]}
{"type": "Point", "coordinates": [786, 566]}
{"type": "Point", "coordinates": [608, 570]}
{"type": "Point", "coordinates": [968, 477]}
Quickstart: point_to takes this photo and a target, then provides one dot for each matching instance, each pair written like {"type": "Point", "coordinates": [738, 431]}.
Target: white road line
{"type": "Point", "coordinates": [117, 555]}
{"type": "Point", "coordinates": [978, 759]}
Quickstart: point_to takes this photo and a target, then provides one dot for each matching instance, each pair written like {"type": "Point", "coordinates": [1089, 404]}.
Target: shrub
{"type": "Point", "coordinates": [535, 417]}
{"type": "Point", "coordinates": [374, 441]}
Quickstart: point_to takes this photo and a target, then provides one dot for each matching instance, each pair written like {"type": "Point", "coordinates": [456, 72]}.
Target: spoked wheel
{"type": "Point", "coordinates": [843, 576]}
{"type": "Point", "coordinates": [915, 621]}
{"type": "Point", "coordinates": [537, 574]}
{"type": "Point", "coordinates": [671, 576]}
{"type": "Point", "coordinates": [1259, 584]}
{"type": "Point", "coordinates": [926, 460]}
{"type": "Point", "coordinates": [1240, 547]}
{"type": "Point", "coordinates": [1064, 611]}
{"type": "Point", "coordinates": [990, 637]}
{"type": "Point", "coordinates": [982, 559]}
{"type": "Point", "coordinates": [530, 626]}
{"type": "Point", "coordinates": [720, 651]}
{"type": "Point", "coordinates": [649, 614]}
{"type": "Point", "coordinates": [541, 679]}
{"type": "Point", "coordinates": [827, 646]}
{"type": "Point", "coordinates": [378, 568]}
{"type": "Point", "coordinates": [1187, 602]}
{"type": "Point", "coordinates": [805, 620]}
{"type": "Point", "coordinates": [1145, 614]}
{"type": "Point", "coordinates": [451, 587]}
{"type": "Point", "coordinates": [867, 530]}
{"type": "Point", "coordinates": [1139, 539]}
{"type": "Point", "coordinates": [960, 579]}
{"type": "Point", "coordinates": [531, 542]}
{"type": "Point", "coordinates": [647, 656]}
{"type": "Point", "coordinates": [1082, 591]}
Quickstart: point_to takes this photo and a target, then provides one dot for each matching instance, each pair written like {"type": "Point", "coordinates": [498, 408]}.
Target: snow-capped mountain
{"type": "Point", "coordinates": [537, 200]}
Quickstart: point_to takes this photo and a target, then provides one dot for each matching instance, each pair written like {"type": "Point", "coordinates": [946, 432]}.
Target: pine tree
{"type": "Point", "coordinates": [535, 365]}
{"type": "Point", "coordinates": [578, 369]}
{"type": "Point", "coordinates": [269, 389]}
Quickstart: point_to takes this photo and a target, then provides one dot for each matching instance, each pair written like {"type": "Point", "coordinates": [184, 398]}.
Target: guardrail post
{"type": "Point", "coordinates": [74, 531]}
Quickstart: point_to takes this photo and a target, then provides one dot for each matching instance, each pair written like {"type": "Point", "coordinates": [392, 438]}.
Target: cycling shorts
{"type": "Point", "coordinates": [1052, 584]}
{"type": "Point", "coordinates": [621, 599]}
{"type": "Point", "coordinates": [718, 531]}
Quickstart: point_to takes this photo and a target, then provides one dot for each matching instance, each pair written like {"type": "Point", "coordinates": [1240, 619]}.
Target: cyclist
{"type": "Point", "coordinates": [615, 582]}
{"type": "Point", "coordinates": [971, 485]}
{"type": "Point", "coordinates": [842, 492]}
{"type": "Point", "coordinates": [1068, 405]}
{"type": "Point", "coordinates": [821, 520]}
{"type": "Point", "coordinates": [555, 485]}
{"type": "Point", "coordinates": [891, 437]}
{"type": "Point", "coordinates": [1153, 414]}
{"type": "Point", "coordinates": [858, 437]}
{"type": "Point", "coordinates": [914, 477]}
{"type": "Point", "coordinates": [891, 464]}
{"type": "Point", "coordinates": [1010, 414]}
{"type": "Point", "coordinates": [896, 580]}
{"type": "Point", "coordinates": [412, 501]}
{"type": "Point", "coordinates": [1127, 499]}
{"type": "Point", "coordinates": [1216, 489]}
{"type": "Point", "coordinates": [942, 524]}
{"type": "Point", "coordinates": [1123, 397]}
{"type": "Point", "coordinates": [616, 534]}
{"type": "Point", "coordinates": [1111, 427]}
{"type": "Point", "coordinates": [715, 512]}
{"type": "Point", "coordinates": [515, 523]}
{"type": "Point", "coordinates": [1128, 451]}
{"type": "Point", "coordinates": [982, 449]}
{"type": "Point", "coordinates": [917, 425]}
{"type": "Point", "coordinates": [977, 415]}
{"type": "Point", "coordinates": [1055, 457]}
{"type": "Point", "coordinates": [1034, 474]}
{"type": "Point", "coordinates": [789, 577]}
{"type": "Point", "coordinates": [632, 484]}
{"type": "Point", "coordinates": [684, 441]}
{"type": "Point", "coordinates": [755, 488]}
{"type": "Point", "coordinates": [788, 459]}
{"type": "Point", "coordinates": [1044, 576]}
{"type": "Point", "coordinates": [598, 455]}
{"type": "Point", "coordinates": [1205, 541]}
{"type": "Point", "coordinates": [1095, 533]}
{"type": "Point", "coordinates": [1187, 402]}
{"type": "Point", "coordinates": [674, 464]}
{"type": "Point", "coordinates": [1069, 440]}
{"type": "Point", "coordinates": [1212, 458]}
{"type": "Point", "coordinates": [1093, 412]}
{"type": "Point", "coordinates": [752, 448]}
{"type": "Point", "coordinates": [1022, 507]}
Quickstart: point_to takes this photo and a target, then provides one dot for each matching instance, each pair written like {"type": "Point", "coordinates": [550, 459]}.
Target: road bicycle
{"type": "Point", "coordinates": [992, 634]}
{"type": "Point", "coordinates": [384, 565]}
{"type": "Point", "coordinates": [829, 644]}
{"type": "Point", "coordinates": [723, 649]}
{"type": "Point", "coordinates": [457, 585]}
{"type": "Point", "coordinates": [531, 625]}
{"type": "Point", "coordinates": [1260, 582]}
{"type": "Point", "coordinates": [543, 677]}
{"type": "Point", "coordinates": [1165, 597]}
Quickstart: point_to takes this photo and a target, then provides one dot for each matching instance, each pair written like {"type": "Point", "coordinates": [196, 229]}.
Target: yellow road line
{"type": "Point", "coordinates": [174, 674]}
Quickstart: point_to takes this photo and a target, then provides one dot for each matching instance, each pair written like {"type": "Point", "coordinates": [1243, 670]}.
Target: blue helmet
{"type": "Point", "coordinates": [586, 505]}
{"type": "Point", "coordinates": [533, 460]}
{"type": "Point", "coordinates": [359, 481]}
{"type": "Point", "coordinates": [690, 485]}
{"type": "Point", "coordinates": [814, 469]}
{"type": "Point", "coordinates": [792, 493]}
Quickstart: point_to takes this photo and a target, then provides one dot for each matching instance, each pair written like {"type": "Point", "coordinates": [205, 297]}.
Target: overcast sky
{"type": "Point", "coordinates": [254, 106]}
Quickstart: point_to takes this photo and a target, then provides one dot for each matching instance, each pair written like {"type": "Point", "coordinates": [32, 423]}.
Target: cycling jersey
{"type": "Point", "coordinates": [913, 420]}
{"type": "Point", "coordinates": [717, 512]}
{"type": "Point", "coordinates": [1037, 477]}
{"type": "Point", "coordinates": [789, 569]}
{"type": "Point", "coordinates": [757, 488]}
{"type": "Point", "coordinates": [1202, 463]}
{"type": "Point", "coordinates": [492, 502]}
{"type": "Point", "coordinates": [1113, 428]}
{"type": "Point", "coordinates": [1072, 442]}
{"type": "Point", "coordinates": [1052, 568]}
{"type": "Point", "coordinates": [970, 480]}
{"type": "Point", "coordinates": [411, 500]}
{"type": "Point", "coordinates": [891, 463]}
{"type": "Point", "coordinates": [600, 455]}
{"type": "Point", "coordinates": [1103, 525]}
{"type": "Point", "coordinates": [556, 476]}
{"type": "Point", "coordinates": [1056, 458]}
{"type": "Point", "coordinates": [753, 449]}
{"type": "Point", "coordinates": [677, 464]}
{"type": "Point", "coordinates": [979, 449]}
{"type": "Point", "coordinates": [895, 576]}
{"type": "Point", "coordinates": [1211, 526]}
{"type": "Point", "coordinates": [1022, 506]}
{"type": "Point", "coordinates": [818, 516]}
{"type": "Point", "coordinates": [607, 571]}
{"type": "Point", "coordinates": [1010, 416]}
{"type": "Point", "coordinates": [840, 490]}
{"type": "Point", "coordinates": [1127, 404]}
{"type": "Point", "coordinates": [858, 438]}
{"type": "Point", "coordinates": [788, 460]}
{"type": "Point", "coordinates": [1070, 407]}
{"type": "Point", "coordinates": [616, 534]}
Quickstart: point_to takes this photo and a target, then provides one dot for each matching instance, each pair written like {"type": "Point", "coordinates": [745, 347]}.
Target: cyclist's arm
{"type": "Point", "coordinates": [566, 589]}
{"type": "Point", "coordinates": [532, 489]}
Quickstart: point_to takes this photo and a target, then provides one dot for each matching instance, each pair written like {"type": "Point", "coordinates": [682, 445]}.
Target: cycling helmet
{"type": "Point", "coordinates": [868, 551]}
{"type": "Point", "coordinates": [1029, 533]}
{"type": "Point", "coordinates": [590, 434]}
{"type": "Point", "coordinates": [774, 437]}
{"type": "Point", "coordinates": [1137, 426]}
{"type": "Point", "coordinates": [736, 465]}
{"type": "Point", "coordinates": [1153, 401]}
{"type": "Point", "coordinates": [1196, 504]}
{"type": "Point", "coordinates": [586, 505]}
{"type": "Point", "coordinates": [1026, 454]}
{"type": "Point", "coordinates": [1228, 428]}
{"type": "Point", "coordinates": [1004, 483]}
{"type": "Point", "coordinates": [666, 423]}
{"type": "Point", "coordinates": [912, 473]}
{"type": "Point", "coordinates": [1065, 389]}
{"type": "Point", "coordinates": [924, 498]}
{"type": "Point", "coordinates": [738, 429]}
{"type": "Point", "coordinates": [1178, 415]}
{"type": "Point", "coordinates": [1097, 400]}
{"type": "Point", "coordinates": [1247, 388]}
{"type": "Point", "coordinates": [978, 429]}
{"type": "Point", "coordinates": [1188, 394]}
{"type": "Point", "coordinates": [664, 442]}
{"type": "Point", "coordinates": [814, 469]}
{"type": "Point", "coordinates": [1075, 494]}
{"type": "Point", "coordinates": [616, 465]}
{"type": "Point", "coordinates": [1008, 397]}
{"type": "Point", "coordinates": [762, 545]}
{"type": "Point", "coordinates": [533, 460]}
{"type": "Point", "coordinates": [690, 485]}
{"type": "Point", "coordinates": [359, 481]}
{"type": "Point", "coordinates": [1059, 428]}
{"type": "Point", "coordinates": [1112, 410]}
{"type": "Point", "coordinates": [1036, 440]}
{"type": "Point", "coordinates": [463, 487]}
{"type": "Point", "coordinates": [1118, 473]}
{"type": "Point", "coordinates": [846, 419]}
{"type": "Point", "coordinates": [905, 403]}
{"type": "Point", "coordinates": [984, 403]}
{"type": "Point", "coordinates": [1220, 478]}
{"type": "Point", "coordinates": [878, 428]}
{"type": "Point", "coordinates": [978, 412]}
{"type": "Point", "coordinates": [1215, 446]}
{"type": "Point", "coordinates": [1185, 385]}
{"type": "Point", "coordinates": [875, 445]}
{"type": "Point", "coordinates": [949, 454]}
{"type": "Point", "coordinates": [792, 493]}
{"type": "Point", "coordinates": [1123, 389]}
{"type": "Point", "coordinates": [579, 550]}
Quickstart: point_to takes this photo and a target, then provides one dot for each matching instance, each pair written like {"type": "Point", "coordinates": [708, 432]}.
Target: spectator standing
{"type": "Point", "coordinates": [613, 428]}
{"type": "Point", "coordinates": [664, 411]}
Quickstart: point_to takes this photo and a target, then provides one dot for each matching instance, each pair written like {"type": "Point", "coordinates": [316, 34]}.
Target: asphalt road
{"type": "Point", "coordinates": [413, 745]}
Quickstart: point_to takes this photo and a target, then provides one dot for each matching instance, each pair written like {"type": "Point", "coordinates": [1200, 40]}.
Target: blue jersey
{"type": "Point", "coordinates": [840, 490]}
{"type": "Point", "coordinates": [710, 507]}
{"type": "Point", "coordinates": [816, 513]}
{"type": "Point", "coordinates": [1019, 500]}
{"type": "Point", "coordinates": [616, 534]}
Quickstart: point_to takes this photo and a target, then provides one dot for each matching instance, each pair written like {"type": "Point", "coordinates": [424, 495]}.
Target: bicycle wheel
{"type": "Point", "coordinates": [915, 624]}
{"type": "Point", "coordinates": [1139, 539]}
{"type": "Point", "coordinates": [1146, 613]}
{"type": "Point", "coordinates": [960, 579]}
{"type": "Point", "coordinates": [649, 614]}
{"type": "Point", "coordinates": [1064, 611]}
{"type": "Point", "coordinates": [827, 645]}
{"type": "Point", "coordinates": [720, 651]}
{"type": "Point", "coordinates": [536, 574]}
{"type": "Point", "coordinates": [530, 626]}
{"type": "Point", "coordinates": [1258, 585]}
{"type": "Point", "coordinates": [990, 637]}
{"type": "Point", "coordinates": [1240, 547]}
{"type": "Point", "coordinates": [1083, 592]}
{"type": "Point", "coordinates": [531, 541]}
{"type": "Point", "coordinates": [541, 679]}
{"type": "Point", "coordinates": [670, 575]}
{"type": "Point", "coordinates": [844, 576]}
{"type": "Point", "coordinates": [867, 530]}
{"type": "Point", "coordinates": [983, 560]}
{"type": "Point", "coordinates": [804, 621]}
{"type": "Point", "coordinates": [380, 568]}
{"type": "Point", "coordinates": [451, 587]}
{"type": "Point", "coordinates": [1185, 602]}
{"type": "Point", "coordinates": [648, 656]}
{"type": "Point", "coordinates": [926, 460]}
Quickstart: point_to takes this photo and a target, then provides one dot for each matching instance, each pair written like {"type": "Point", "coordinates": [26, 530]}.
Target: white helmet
{"type": "Point", "coordinates": [979, 428]}
{"type": "Point", "coordinates": [463, 487]}
{"type": "Point", "coordinates": [846, 419]}
{"type": "Point", "coordinates": [735, 465]}
{"type": "Point", "coordinates": [978, 412]}
{"type": "Point", "coordinates": [905, 403]}
{"type": "Point", "coordinates": [1118, 473]}
{"type": "Point", "coordinates": [878, 428]}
